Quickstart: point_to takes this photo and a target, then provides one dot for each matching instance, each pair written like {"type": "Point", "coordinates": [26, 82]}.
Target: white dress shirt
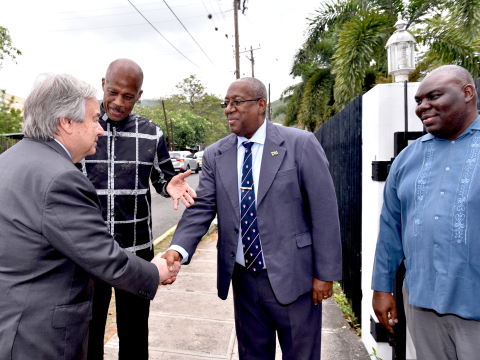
{"type": "Point", "coordinates": [257, 152]}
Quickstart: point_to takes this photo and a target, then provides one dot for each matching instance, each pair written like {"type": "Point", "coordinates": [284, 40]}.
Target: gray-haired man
{"type": "Point", "coordinates": [53, 238]}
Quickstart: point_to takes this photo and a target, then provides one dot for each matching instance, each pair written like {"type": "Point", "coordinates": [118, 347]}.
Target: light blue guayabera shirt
{"type": "Point", "coordinates": [431, 215]}
{"type": "Point", "coordinates": [257, 151]}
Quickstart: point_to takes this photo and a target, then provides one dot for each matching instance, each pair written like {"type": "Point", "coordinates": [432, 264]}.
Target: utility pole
{"type": "Point", "coordinates": [237, 54]}
{"type": "Point", "coordinates": [173, 141]}
{"type": "Point", "coordinates": [269, 104]}
{"type": "Point", "coordinates": [166, 126]}
{"type": "Point", "coordinates": [251, 59]}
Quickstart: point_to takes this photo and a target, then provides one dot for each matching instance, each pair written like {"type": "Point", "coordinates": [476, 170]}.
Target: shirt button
{"type": "Point", "coordinates": [448, 168]}
{"type": "Point", "coordinates": [436, 217]}
{"type": "Point", "coordinates": [442, 193]}
{"type": "Point", "coordinates": [436, 245]}
{"type": "Point", "coordinates": [453, 142]}
{"type": "Point", "coordinates": [232, 254]}
{"type": "Point", "coordinates": [436, 272]}
{"type": "Point", "coordinates": [459, 241]}
{"type": "Point", "coordinates": [114, 157]}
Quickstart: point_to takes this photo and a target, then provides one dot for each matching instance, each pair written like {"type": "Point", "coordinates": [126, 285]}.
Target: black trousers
{"type": "Point", "coordinates": [132, 323]}
{"type": "Point", "coordinates": [259, 316]}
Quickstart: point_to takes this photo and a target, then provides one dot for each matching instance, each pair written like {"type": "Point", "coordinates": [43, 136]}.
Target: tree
{"type": "Point", "coordinates": [188, 129]}
{"type": "Point", "coordinates": [11, 119]}
{"type": "Point", "coordinates": [192, 96]}
{"type": "Point", "coordinates": [349, 37]}
{"type": "Point", "coordinates": [6, 48]}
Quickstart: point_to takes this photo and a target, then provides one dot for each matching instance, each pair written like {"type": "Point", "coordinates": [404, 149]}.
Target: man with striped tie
{"type": "Point", "coordinates": [279, 237]}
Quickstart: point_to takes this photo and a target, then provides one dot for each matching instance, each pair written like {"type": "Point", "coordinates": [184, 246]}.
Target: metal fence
{"type": "Point", "coordinates": [341, 138]}
{"type": "Point", "coordinates": [6, 143]}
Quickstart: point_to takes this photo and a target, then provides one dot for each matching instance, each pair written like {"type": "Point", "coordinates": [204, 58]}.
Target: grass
{"type": "Point", "coordinates": [346, 307]}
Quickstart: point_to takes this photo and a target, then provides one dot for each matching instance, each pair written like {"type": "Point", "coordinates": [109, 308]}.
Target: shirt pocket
{"type": "Point", "coordinates": [70, 315]}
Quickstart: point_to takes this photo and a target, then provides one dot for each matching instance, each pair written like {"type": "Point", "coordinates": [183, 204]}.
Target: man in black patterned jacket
{"type": "Point", "coordinates": [131, 152]}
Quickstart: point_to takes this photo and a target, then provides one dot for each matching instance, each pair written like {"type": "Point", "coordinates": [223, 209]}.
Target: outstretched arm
{"type": "Point", "coordinates": [179, 189]}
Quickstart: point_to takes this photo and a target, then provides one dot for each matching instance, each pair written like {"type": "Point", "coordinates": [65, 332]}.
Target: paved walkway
{"type": "Point", "coordinates": [189, 322]}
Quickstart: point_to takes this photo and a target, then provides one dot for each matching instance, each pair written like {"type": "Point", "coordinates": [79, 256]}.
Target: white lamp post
{"type": "Point", "coordinates": [401, 52]}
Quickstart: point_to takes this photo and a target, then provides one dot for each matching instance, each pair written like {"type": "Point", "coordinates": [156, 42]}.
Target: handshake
{"type": "Point", "coordinates": [168, 274]}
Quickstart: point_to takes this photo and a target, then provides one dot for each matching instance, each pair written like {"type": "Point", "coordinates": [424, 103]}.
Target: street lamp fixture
{"type": "Point", "coordinates": [401, 52]}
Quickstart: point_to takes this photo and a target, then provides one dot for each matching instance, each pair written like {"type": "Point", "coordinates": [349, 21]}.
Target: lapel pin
{"type": "Point", "coordinates": [274, 153]}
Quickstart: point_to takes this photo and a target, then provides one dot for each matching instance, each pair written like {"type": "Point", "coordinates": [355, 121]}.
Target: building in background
{"type": "Point", "coordinates": [17, 101]}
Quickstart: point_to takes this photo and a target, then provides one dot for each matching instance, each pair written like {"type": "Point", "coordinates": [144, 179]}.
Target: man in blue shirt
{"type": "Point", "coordinates": [430, 216]}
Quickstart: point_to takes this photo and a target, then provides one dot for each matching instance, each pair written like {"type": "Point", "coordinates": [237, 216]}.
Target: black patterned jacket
{"type": "Point", "coordinates": [130, 152]}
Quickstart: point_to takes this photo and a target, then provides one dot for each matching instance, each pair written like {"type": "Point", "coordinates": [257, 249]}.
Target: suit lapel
{"type": "Point", "coordinates": [227, 168]}
{"type": "Point", "coordinates": [272, 158]}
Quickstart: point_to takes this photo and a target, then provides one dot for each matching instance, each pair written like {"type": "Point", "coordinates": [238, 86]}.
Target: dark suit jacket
{"type": "Point", "coordinates": [296, 212]}
{"type": "Point", "coordinates": [52, 240]}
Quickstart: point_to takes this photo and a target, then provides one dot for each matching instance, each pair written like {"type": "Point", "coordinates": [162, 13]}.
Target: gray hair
{"type": "Point", "coordinates": [256, 87]}
{"type": "Point", "coordinates": [52, 97]}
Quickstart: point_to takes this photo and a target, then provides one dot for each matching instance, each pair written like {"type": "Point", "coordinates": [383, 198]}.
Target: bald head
{"type": "Point", "coordinates": [446, 101]}
{"type": "Point", "coordinates": [256, 88]}
{"type": "Point", "coordinates": [122, 88]}
{"type": "Point", "coordinates": [122, 67]}
{"type": "Point", "coordinates": [457, 73]}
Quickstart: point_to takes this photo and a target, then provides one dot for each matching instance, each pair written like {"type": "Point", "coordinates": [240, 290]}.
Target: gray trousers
{"type": "Point", "coordinates": [259, 316]}
{"type": "Point", "coordinates": [441, 336]}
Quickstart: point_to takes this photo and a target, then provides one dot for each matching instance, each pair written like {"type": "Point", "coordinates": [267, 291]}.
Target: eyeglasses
{"type": "Point", "coordinates": [235, 103]}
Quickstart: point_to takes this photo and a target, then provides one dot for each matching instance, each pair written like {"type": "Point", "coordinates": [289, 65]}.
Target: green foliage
{"type": "Point", "coordinates": [11, 119]}
{"type": "Point", "coordinates": [192, 96]}
{"type": "Point", "coordinates": [374, 353]}
{"type": "Point", "coordinates": [6, 48]}
{"type": "Point", "coordinates": [346, 307]}
{"type": "Point", "coordinates": [188, 129]}
{"type": "Point", "coordinates": [346, 35]}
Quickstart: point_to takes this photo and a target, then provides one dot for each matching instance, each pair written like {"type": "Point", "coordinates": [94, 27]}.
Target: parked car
{"type": "Point", "coordinates": [183, 160]}
{"type": "Point", "coordinates": [199, 155]}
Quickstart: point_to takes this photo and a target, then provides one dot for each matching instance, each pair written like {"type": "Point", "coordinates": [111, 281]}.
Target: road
{"type": "Point", "coordinates": [164, 215]}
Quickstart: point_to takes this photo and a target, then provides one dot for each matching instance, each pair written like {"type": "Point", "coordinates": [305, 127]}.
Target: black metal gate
{"type": "Point", "coordinates": [341, 138]}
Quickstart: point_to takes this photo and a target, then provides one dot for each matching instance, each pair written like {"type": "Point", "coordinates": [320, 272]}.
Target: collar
{"type": "Point", "coordinates": [473, 126]}
{"type": "Point", "coordinates": [258, 137]}
{"type": "Point", "coordinates": [104, 117]}
{"type": "Point", "coordinates": [63, 146]}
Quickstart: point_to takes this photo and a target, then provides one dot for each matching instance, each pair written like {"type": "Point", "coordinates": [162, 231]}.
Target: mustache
{"type": "Point", "coordinates": [116, 108]}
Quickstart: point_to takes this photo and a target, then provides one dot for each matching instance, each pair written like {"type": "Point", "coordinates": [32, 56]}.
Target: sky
{"type": "Point", "coordinates": [82, 38]}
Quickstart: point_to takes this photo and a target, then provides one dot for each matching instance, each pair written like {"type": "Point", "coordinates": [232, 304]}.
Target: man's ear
{"type": "Point", "coordinates": [66, 125]}
{"type": "Point", "coordinates": [470, 93]}
{"type": "Point", "coordinates": [103, 84]}
{"type": "Point", "coordinates": [262, 106]}
{"type": "Point", "coordinates": [139, 95]}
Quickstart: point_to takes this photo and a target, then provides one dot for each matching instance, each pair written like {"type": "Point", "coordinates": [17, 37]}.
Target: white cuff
{"type": "Point", "coordinates": [181, 251]}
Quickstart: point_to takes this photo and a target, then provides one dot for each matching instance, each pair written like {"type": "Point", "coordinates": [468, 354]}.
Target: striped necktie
{"type": "Point", "coordinates": [252, 248]}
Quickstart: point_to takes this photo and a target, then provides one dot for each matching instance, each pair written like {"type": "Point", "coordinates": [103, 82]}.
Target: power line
{"type": "Point", "coordinates": [162, 35]}
{"type": "Point", "coordinates": [126, 13]}
{"type": "Point", "coordinates": [119, 7]}
{"type": "Point", "coordinates": [119, 26]}
{"type": "Point", "coordinates": [188, 33]}
{"type": "Point", "coordinates": [209, 15]}
{"type": "Point", "coordinates": [220, 10]}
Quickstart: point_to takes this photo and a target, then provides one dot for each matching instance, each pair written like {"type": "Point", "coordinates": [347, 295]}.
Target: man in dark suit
{"type": "Point", "coordinates": [279, 238]}
{"type": "Point", "coordinates": [53, 239]}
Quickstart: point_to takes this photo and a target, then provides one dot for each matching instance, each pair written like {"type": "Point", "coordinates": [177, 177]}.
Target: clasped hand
{"type": "Point", "coordinates": [168, 274]}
